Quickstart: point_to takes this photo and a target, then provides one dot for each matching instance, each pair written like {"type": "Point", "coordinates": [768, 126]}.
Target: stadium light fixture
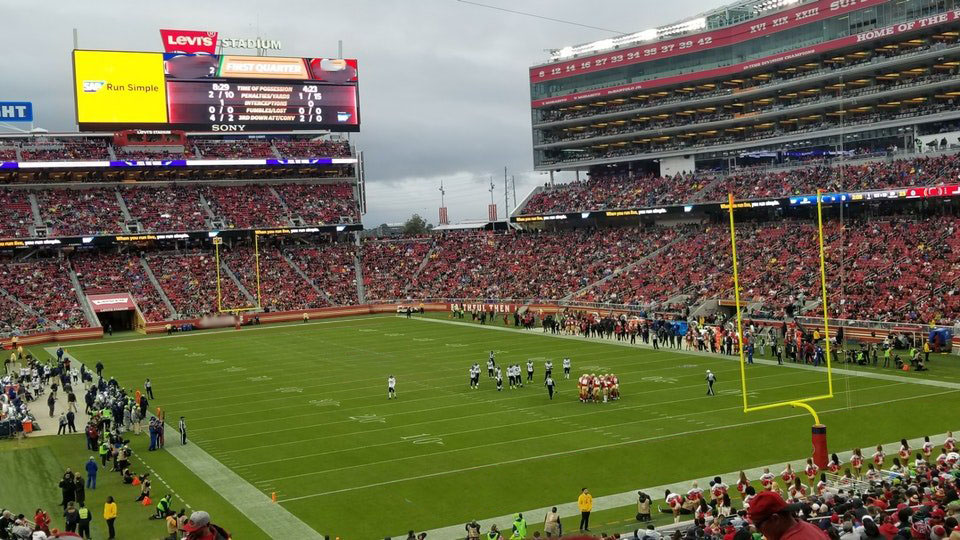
{"type": "Point", "coordinates": [630, 39]}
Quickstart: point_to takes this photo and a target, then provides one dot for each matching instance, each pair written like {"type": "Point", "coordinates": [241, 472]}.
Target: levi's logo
{"type": "Point", "coordinates": [189, 41]}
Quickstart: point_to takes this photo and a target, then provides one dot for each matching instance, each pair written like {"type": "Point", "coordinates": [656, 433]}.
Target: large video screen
{"type": "Point", "coordinates": [116, 90]}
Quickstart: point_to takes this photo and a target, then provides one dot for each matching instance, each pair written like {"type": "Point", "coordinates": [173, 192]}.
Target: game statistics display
{"type": "Point", "coordinates": [222, 93]}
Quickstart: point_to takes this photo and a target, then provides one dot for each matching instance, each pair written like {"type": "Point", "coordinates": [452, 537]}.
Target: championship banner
{"type": "Point", "coordinates": [655, 50]}
{"type": "Point", "coordinates": [863, 37]}
{"type": "Point", "coordinates": [111, 302]}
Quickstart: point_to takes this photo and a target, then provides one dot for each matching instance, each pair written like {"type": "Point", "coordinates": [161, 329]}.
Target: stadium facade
{"type": "Point", "coordinates": [752, 80]}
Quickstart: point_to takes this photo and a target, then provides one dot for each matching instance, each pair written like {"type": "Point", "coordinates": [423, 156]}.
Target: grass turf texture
{"type": "Point", "coordinates": [301, 410]}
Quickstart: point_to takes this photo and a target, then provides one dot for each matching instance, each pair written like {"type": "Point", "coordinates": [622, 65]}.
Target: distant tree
{"type": "Point", "coordinates": [415, 225]}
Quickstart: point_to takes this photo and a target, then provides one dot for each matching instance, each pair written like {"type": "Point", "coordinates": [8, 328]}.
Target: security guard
{"type": "Point", "coordinates": [494, 533]}
{"type": "Point", "coordinates": [519, 528]}
{"type": "Point", "coordinates": [104, 453]}
{"type": "Point", "coordinates": [163, 506]}
{"type": "Point", "coordinates": [83, 523]}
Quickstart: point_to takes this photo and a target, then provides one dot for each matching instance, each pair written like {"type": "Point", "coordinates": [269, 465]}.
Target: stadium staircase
{"type": "Point", "coordinates": [243, 290]}
{"type": "Point", "coordinates": [27, 308]}
{"type": "Point", "coordinates": [206, 208]}
{"type": "Point", "coordinates": [283, 203]}
{"type": "Point", "coordinates": [276, 152]}
{"type": "Point", "coordinates": [306, 278]}
{"type": "Point", "coordinates": [523, 202]}
{"type": "Point", "coordinates": [82, 299]}
{"type": "Point", "coordinates": [707, 190]}
{"type": "Point", "coordinates": [623, 269]}
{"type": "Point", "coordinates": [361, 292]}
{"type": "Point", "coordinates": [705, 309]}
{"type": "Point", "coordinates": [423, 264]}
{"type": "Point", "coordinates": [113, 154]}
{"type": "Point", "coordinates": [130, 225]}
{"type": "Point", "coordinates": [35, 209]}
{"type": "Point", "coordinates": [156, 285]}
{"type": "Point", "coordinates": [123, 207]}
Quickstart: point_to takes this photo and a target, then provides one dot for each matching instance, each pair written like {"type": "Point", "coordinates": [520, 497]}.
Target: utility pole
{"type": "Point", "coordinates": [506, 194]}
{"type": "Point", "coordinates": [492, 209]}
{"type": "Point", "coordinates": [444, 217]}
{"type": "Point", "coordinates": [513, 182]}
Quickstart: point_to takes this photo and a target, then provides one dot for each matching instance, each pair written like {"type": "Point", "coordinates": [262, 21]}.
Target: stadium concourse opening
{"type": "Point", "coordinates": [116, 311]}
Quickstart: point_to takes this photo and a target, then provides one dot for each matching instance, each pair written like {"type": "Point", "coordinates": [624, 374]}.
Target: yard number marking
{"type": "Point", "coordinates": [424, 438]}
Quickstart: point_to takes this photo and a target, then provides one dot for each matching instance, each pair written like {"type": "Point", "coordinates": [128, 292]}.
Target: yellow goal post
{"type": "Point", "coordinates": [803, 402]}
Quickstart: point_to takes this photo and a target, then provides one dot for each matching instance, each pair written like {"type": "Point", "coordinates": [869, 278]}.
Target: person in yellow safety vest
{"type": "Point", "coordinates": [494, 533]}
{"type": "Point", "coordinates": [519, 528]}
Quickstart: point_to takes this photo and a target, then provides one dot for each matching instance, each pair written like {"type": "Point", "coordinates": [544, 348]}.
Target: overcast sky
{"type": "Point", "coordinates": [443, 84]}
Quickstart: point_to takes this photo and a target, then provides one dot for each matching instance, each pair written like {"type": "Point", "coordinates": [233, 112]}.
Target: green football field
{"type": "Point", "coordinates": [301, 411]}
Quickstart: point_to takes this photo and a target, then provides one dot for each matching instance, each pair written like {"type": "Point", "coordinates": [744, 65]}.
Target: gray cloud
{"type": "Point", "coordinates": [444, 90]}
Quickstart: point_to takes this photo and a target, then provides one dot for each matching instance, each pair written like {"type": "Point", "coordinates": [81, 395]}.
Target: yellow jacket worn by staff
{"type": "Point", "coordinates": [109, 510]}
{"type": "Point", "coordinates": [585, 502]}
{"type": "Point", "coordinates": [519, 528]}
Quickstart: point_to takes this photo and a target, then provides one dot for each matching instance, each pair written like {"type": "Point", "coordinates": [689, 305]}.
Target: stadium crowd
{"type": "Point", "coordinates": [608, 190]}
{"type": "Point", "coordinates": [880, 269]}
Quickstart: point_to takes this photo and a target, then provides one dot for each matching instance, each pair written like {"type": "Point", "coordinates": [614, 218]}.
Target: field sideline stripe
{"type": "Point", "coordinates": [196, 333]}
{"type": "Point", "coordinates": [256, 506]}
{"type": "Point", "coordinates": [275, 520]}
{"type": "Point", "coordinates": [841, 371]}
{"type": "Point", "coordinates": [629, 498]}
{"type": "Point", "coordinates": [599, 447]}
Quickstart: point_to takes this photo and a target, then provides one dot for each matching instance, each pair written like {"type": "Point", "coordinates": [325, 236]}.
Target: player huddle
{"type": "Point", "coordinates": [598, 388]}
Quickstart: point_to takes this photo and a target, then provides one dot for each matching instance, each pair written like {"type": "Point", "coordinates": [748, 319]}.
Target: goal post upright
{"type": "Point", "coordinates": [736, 296]}
{"type": "Point", "coordinates": [823, 290]}
{"type": "Point", "coordinates": [216, 249]}
{"type": "Point", "coordinates": [256, 258]}
{"type": "Point", "coordinates": [818, 431]}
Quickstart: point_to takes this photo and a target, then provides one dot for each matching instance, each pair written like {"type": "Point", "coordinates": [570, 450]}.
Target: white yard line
{"type": "Point", "coordinates": [591, 413]}
{"type": "Point", "coordinates": [578, 429]}
{"type": "Point", "coordinates": [389, 404]}
{"type": "Point", "coordinates": [596, 447]}
{"type": "Point", "coordinates": [628, 498]}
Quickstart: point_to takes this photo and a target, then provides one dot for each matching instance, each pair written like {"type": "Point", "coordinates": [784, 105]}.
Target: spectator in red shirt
{"type": "Point", "coordinates": [775, 519]}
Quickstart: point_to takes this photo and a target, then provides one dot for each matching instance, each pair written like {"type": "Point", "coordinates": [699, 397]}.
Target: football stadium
{"type": "Point", "coordinates": [732, 310]}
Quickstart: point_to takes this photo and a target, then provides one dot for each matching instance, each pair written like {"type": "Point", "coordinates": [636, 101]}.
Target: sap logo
{"type": "Point", "coordinates": [93, 86]}
{"type": "Point", "coordinates": [228, 127]}
{"type": "Point", "coordinates": [203, 41]}
{"type": "Point", "coordinates": [343, 116]}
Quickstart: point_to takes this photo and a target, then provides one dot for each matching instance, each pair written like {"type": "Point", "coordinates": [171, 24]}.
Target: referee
{"type": "Point", "coordinates": [183, 431]}
{"type": "Point", "coordinates": [549, 384]}
{"type": "Point", "coordinates": [711, 378]}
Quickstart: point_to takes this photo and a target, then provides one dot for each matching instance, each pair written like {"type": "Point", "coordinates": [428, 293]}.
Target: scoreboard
{"type": "Point", "coordinates": [201, 92]}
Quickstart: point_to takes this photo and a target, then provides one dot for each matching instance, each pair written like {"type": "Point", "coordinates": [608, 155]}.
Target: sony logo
{"type": "Point", "coordinates": [228, 127]}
